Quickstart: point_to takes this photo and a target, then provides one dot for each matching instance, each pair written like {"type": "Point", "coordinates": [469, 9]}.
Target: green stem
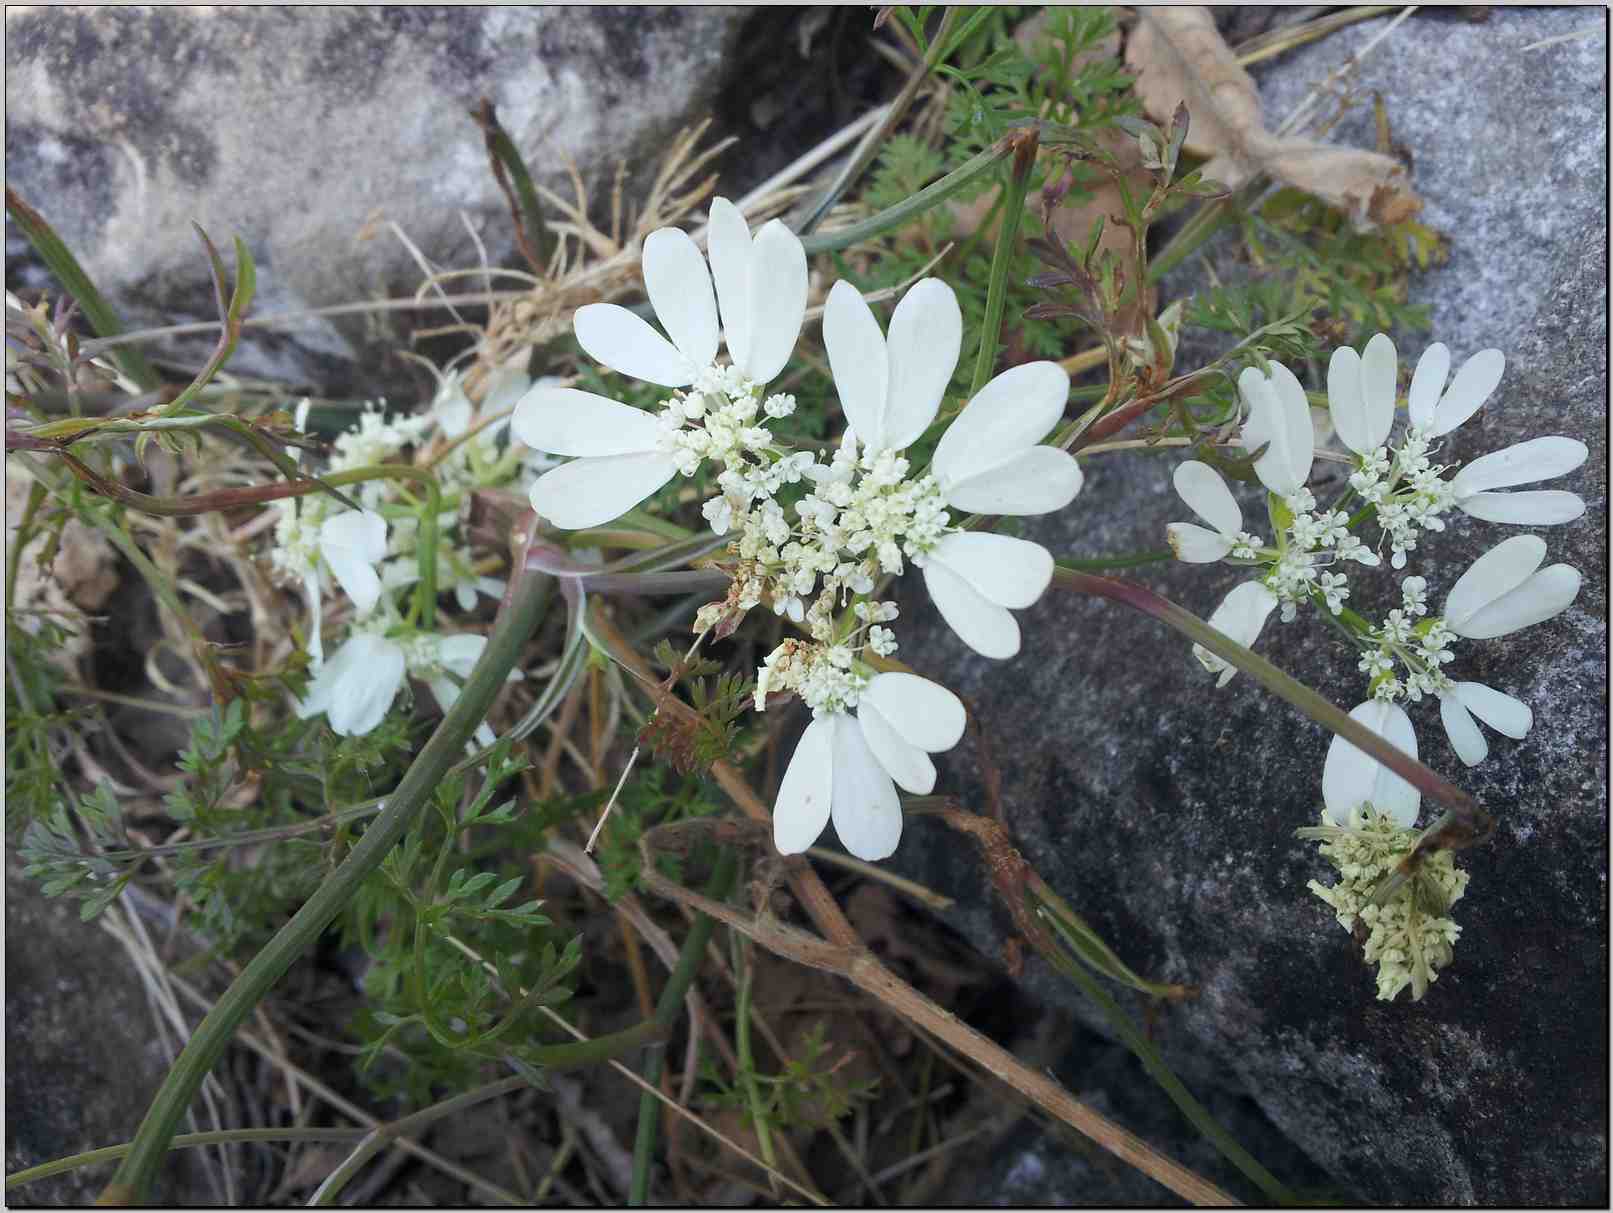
{"type": "Point", "coordinates": [518, 617]}
{"type": "Point", "coordinates": [934, 194]}
{"type": "Point", "coordinates": [1129, 560]}
{"type": "Point", "coordinates": [1019, 181]}
{"type": "Point", "coordinates": [1161, 1073]}
{"type": "Point", "coordinates": [666, 1013]}
{"type": "Point", "coordinates": [1313, 705]}
{"type": "Point", "coordinates": [221, 1137]}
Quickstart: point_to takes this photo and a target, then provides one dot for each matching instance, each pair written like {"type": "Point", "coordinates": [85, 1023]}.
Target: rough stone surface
{"type": "Point", "coordinates": [298, 128]}
{"type": "Point", "coordinates": [84, 1058]}
{"type": "Point", "coordinates": [1164, 810]}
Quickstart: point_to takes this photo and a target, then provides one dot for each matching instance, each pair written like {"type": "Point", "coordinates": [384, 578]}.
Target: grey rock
{"type": "Point", "coordinates": [296, 128]}
{"type": "Point", "coordinates": [1164, 810]}
{"type": "Point", "coordinates": [82, 1057]}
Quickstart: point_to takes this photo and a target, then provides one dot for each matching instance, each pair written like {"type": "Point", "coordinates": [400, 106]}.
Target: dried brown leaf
{"type": "Point", "coordinates": [1177, 56]}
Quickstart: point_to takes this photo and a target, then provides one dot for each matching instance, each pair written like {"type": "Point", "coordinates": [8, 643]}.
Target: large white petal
{"type": "Point", "coordinates": [1240, 617]}
{"type": "Point", "coordinates": [1472, 386]}
{"type": "Point", "coordinates": [1544, 596]}
{"type": "Point", "coordinates": [363, 532]}
{"type": "Point", "coordinates": [622, 341]}
{"type": "Point", "coordinates": [1350, 777]}
{"type": "Point", "coordinates": [592, 492]}
{"type": "Point", "coordinates": [1299, 442]}
{"type": "Point", "coordinates": [1010, 572]}
{"type": "Point", "coordinates": [923, 713]}
{"type": "Point", "coordinates": [1378, 374]}
{"type": "Point", "coordinates": [1207, 495]}
{"type": "Point", "coordinates": [1427, 382]}
{"type": "Point", "coordinates": [679, 286]}
{"type": "Point", "coordinates": [802, 808]}
{"type": "Point", "coordinates": [369, 673]}
{"type": "Point", "coordinates": [1543, 507]}
{"type": "Point", "coordinates": [1193, 544]}
{"type": "Point", "coordinates": [1036, 480]}
{"type": "Point", "coordinates": [858, 361]}
{"type": "Point", "coordinates": [1500, 570]}
{"type": "Point", "coordinates": [1283, 430]}
{"type": "Point", "coordinates": [728, 242]}
{"type": "Point", "coordinates": [1344, 401]}
{"type": "Point", "coordinates": [1465, 736]}
{"type": "Point", "coordinates": [984, 626]}
{"type": "Point", "coordinates": [1015, 410]}
{"type": "Point", "coordinates": [1500, 711]}
{"type": "Point", "coordinates": [904, 762]}
{"type": "Point", "coordinates": [351, 543]}
{"type": "Point", "coordinates": [565, 421]}
{"type": "Point", "coordinates": [867, 814]}
{"type": "Point", "coordinates": [778, 293]}
{"type": "Point", "coordinates": [1538, 459]}
{"type": "Point", "coordinates": [925, 339]}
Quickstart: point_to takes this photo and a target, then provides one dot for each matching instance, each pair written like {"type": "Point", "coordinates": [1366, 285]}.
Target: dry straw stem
{"type": "Point", "coordinates": [858, 965]}
{"type": "Point", "coordinates": [843, 952]}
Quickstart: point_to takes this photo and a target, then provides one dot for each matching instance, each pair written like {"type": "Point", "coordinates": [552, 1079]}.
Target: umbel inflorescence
{"type": "Point", "coordinates": [815, 535]}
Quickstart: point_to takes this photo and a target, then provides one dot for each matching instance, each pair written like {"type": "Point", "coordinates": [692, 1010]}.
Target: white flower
{"type": "Point", "coordinates": [1525, 463]}
{"type": "Point", "coordinates": [1434, 414]}
{"type": "Point", "coordinates": [1240, 616]}
{"type": "Point", "coordinates": [353, 543]}
{"type": "Point", "coordinates": [845, 765]}
{"type": "Point", "coordinates": [1350, 778]}
{"type": "Point", "coordinates": [1361, 394]}
{"type": "Point", "coordinates": [1279, 420]}
{"type": "Point", "coordinates": [356, 687]}
{"type": "Point", "coordinates": [890, 390]}
{"type": "Point", "coordinates": [975, 576]}
{"type": "Point", "coordinates": [1206, 494]}
{"type": "Point", "coordinates": [1506, 590]}
{"type": "Point", "coordinates": [988, 460]}
{"type": "Point", "coordinates": [625, 454]}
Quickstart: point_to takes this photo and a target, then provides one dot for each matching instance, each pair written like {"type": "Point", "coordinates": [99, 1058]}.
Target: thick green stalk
{"type": "Point", "coordinates": [1126, 560]}
{"type": "Point", "coordinates": [1019, 181]}
{"type": "Point", "coordinates": [1458, 803]}
{"type": "Point", "coordinates": [522, 609]}
{"type": "Point", "coordinates": [221, 1137]}
{"type": "Point", "coordinates": [934, 194]}
{"type": "Point", "coordinates": [666, 1013]}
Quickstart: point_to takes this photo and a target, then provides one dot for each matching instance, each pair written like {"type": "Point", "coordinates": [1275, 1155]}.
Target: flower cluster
{"type": "Point", "coordinates": [1404, 488]}
{"type": "Point", "coordinates": [374, 552]}
{"type": "Point", "coordinates": [867, 512]}
{"type": "Point", "coordinates": [1411, 937]}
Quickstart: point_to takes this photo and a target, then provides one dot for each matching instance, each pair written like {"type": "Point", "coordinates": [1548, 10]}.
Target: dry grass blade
{"type": "Point", "coordinates": [1178, 56]}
